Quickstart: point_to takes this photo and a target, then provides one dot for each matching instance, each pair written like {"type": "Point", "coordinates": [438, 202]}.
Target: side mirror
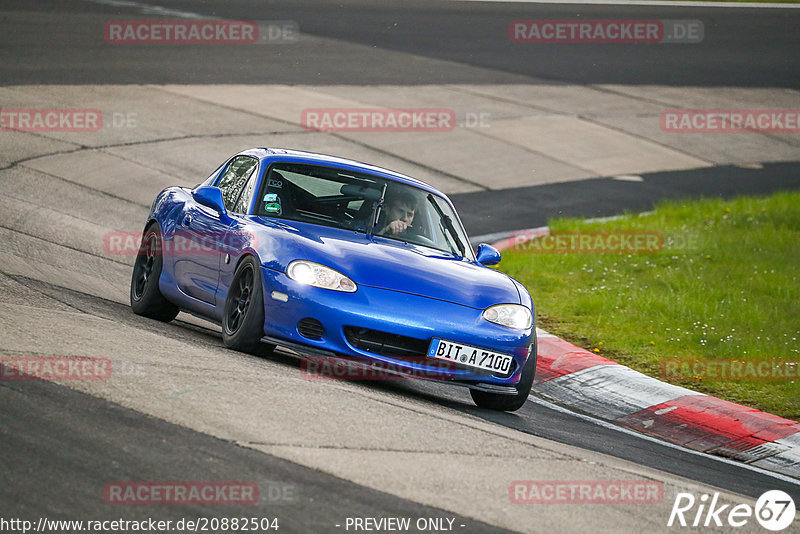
{"type": "Point", "coordinates": [210, 196]}
{"type": "Point", "coordinates": [488, 255]}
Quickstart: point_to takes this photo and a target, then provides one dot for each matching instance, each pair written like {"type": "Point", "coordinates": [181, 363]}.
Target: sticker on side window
{"type": "Point", "coordinates": [273, 204]}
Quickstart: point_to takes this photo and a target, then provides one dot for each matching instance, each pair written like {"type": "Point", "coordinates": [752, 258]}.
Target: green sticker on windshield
{"type": "Point", "coordinates": [273, 203]}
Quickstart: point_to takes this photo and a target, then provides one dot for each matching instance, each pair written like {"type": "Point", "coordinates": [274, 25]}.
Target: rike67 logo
{"type": "Point", "coordinates": [774, 510]}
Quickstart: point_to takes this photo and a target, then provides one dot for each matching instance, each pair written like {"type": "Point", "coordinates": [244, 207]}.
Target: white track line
{"type": "Point", "coordinates": [660, 3]}
{"type": "Point", "coordinates": [150, 9]}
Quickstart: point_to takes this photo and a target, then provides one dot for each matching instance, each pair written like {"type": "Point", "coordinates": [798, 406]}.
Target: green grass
{"type": "Point", "coordinates": [725, 286]}
{"type": "Point", "coordinates": [757, 1]}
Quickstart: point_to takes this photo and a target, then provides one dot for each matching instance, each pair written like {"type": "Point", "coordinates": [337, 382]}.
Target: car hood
{"type": "Point", "coordinates": [388, 264]}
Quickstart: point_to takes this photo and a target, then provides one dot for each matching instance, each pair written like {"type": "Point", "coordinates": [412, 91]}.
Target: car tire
{"type": "Point", "coordinates": [510, 403]}
{"type": "Point", "coordinates": [243, 316]}
{"type": "Point", "coordinates": [145, 295]}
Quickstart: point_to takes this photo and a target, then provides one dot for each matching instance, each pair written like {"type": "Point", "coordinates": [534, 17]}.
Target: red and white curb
{"type": "Point", "coordinates": [588, 383]}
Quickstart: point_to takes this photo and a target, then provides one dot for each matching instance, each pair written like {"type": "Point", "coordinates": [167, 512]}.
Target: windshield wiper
{"type": "Point", "coordinates": [448, 223]}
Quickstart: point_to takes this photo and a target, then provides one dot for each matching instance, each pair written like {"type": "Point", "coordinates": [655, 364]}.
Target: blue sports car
{"type": "Point", "coordinates": [338, 259]}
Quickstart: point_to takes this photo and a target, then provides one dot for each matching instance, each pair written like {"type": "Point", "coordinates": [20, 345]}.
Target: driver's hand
{"type": "Point", "coordinates": [395, 228]}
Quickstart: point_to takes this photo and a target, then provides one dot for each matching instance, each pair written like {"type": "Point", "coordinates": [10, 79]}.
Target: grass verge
{"type": "Point", "coordinates": [723, 285]}
{"type": "Point", "coordinates": [757, 1]}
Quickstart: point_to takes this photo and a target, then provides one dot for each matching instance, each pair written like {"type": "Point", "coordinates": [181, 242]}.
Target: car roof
{"type": "Point", "coordinates": [267, 155]}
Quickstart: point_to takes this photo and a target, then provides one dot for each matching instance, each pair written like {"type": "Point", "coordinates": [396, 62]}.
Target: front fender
{"type": "Point", "coordinates": [167, 204]}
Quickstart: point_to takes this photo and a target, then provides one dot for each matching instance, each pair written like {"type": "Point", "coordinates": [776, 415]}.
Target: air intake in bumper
{"type": "Point", "coordinates": [311, 328]}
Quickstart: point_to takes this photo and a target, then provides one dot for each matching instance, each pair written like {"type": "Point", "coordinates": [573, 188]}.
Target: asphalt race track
{"type": "Point", "coordinates": [740, 50]}
{"type": "Point", "coordinates": [180, 407]}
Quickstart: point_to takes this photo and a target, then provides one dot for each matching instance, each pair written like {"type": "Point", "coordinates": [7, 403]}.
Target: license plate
{"type": "Point", "coordinates": [470, 356]}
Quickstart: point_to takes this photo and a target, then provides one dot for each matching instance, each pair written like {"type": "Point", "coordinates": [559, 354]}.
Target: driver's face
{"type": "Point", "coordinates": [401, 212]}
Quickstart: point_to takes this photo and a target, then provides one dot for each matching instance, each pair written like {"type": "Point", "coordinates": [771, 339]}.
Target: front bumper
{"type": "Point", "coordinates": [388, 328]}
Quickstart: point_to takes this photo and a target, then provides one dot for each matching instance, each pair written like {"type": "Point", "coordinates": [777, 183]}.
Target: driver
{"type": "Point", "coordinates": [399, 212]}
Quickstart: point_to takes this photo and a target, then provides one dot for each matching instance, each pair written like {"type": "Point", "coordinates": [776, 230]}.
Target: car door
{"type": "Point", "coordinates": [238, 237]}
{"type": "Point", "coordinates": [200, 241]}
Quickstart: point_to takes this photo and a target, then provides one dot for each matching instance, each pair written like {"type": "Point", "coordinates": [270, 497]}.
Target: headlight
{"type": "Point", "coordinates": [510, 315]}
{"type": "Point", "coordinates": [314, 274]}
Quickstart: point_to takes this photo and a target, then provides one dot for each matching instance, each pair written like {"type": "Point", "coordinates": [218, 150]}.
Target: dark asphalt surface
{"type": "Point", "coordinates": [61, 447]}
{"type": "Point", "coordinates": [61, 42]}
{"type": "Point", "coordinates": [54, 438]}
{"type": "Point", "coordinates": [531, 207]}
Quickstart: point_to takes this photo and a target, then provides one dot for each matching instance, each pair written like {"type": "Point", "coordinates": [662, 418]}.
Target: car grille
{"type": "Point", "coordinates": [385, 344]}
{"type": "Point", "coordinates": [395, 346]}
{"type": "Point", "coordinates": [511, 369]}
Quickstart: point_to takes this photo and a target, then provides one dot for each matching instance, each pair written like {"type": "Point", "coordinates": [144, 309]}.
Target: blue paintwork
{"type": "Point", "coordinates": [487, 255]}
{"type": "Point", "coordinates": [403, 289]}
{"type": "Point", "coordinates": [210, 197]}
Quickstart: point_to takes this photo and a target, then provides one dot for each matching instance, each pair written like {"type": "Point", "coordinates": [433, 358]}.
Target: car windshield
{"type": "Point", "coordinates": [363, 203]}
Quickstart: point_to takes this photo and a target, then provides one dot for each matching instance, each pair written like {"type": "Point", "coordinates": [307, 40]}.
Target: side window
{"type": "Point", "coordinates": [234, 178]}
{"type": "Point", "coordinates": [247, 194]}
